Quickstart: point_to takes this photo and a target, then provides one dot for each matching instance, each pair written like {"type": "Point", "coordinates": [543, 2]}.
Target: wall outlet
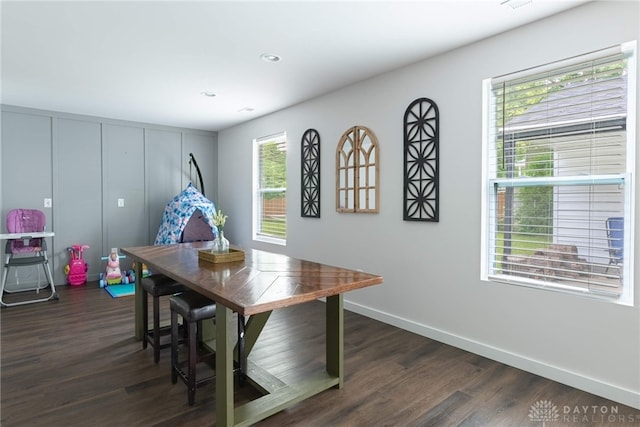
{"type": "Point", "coordinates": [121, 203]}
{"type": "Point", "coordinates": [48, 203]}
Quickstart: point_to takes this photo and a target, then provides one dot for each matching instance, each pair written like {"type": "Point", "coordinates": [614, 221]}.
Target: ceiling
{"type": "Point", "coordinates": [150, 61]}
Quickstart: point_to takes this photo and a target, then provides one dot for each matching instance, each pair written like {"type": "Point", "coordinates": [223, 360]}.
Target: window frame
{"type": "Point", "coordinates": [489, 237]}
{"type": "Point", "coordinates": [258, 191]}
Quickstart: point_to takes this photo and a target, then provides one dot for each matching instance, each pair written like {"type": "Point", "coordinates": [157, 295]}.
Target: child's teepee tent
{"type": "Point", "coordinates": [188, 217]}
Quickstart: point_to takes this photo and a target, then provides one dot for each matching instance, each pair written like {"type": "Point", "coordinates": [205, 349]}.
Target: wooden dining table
{"type": "Point", "coordinates": [253, 288]}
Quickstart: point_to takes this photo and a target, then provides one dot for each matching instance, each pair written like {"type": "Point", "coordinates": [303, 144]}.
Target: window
{"type": "Point", "coordinates": [270, 189]}
{"type": "Point", "coordinates": [558, 160]}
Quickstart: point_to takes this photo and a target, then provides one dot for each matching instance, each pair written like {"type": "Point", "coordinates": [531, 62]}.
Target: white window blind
{"type": "Point", "coordinates": [270, 189]}
{"type": "Point", "coordinates": [559, 157]}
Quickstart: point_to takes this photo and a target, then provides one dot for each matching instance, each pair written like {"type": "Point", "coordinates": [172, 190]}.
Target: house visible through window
{"type": "Point", "coordinates": [270, 189]}
{"type": "Point", "coordinates": [558, 202]}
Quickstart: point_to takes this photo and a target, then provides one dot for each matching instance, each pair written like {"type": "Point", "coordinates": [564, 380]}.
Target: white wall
{"type": "Point", "coordinates": [432, 275]}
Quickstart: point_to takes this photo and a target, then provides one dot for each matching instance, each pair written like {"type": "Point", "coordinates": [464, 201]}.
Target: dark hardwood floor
{"type": "Point", "coordinates": [74, 362]}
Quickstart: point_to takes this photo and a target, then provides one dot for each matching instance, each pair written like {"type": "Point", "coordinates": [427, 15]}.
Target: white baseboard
{"type": "Point", "coordinates": [623, 396]}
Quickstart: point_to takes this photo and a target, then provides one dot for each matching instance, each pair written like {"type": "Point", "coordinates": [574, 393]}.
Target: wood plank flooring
{"type": "Point", "coordinates": [74, 362]}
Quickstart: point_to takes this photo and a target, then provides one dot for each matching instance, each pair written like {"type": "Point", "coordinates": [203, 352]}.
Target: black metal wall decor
{"type": "Point", "coordinates": [310, 174]}
{"type": "Point", "coordinates": [421, 170]}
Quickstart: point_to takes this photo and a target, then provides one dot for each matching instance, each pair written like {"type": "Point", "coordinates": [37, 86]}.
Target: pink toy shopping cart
{"type": "Point", "coordinates": [77, 268]}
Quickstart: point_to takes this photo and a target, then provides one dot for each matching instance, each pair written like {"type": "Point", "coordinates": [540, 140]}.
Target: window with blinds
{"type": "Point", "coordinates": [270, 189]}
{"type": "Point", "coordinates": [559, 155]}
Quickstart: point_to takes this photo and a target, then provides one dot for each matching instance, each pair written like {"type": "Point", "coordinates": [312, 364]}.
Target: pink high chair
{"type": "Point", "coordinates": [26, 246]}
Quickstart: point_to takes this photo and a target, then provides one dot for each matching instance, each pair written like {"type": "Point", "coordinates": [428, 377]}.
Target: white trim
{"type": "Point", "coordinates": [254, 188]}
{"type": "Point", "coordinates": [626, 179]}
{"type": "Point", "coordinates": [573, 379]}
{"type": "Point", "coordinates": [269, 239]}
{"type": "Point", "coordinates": [617, 179]}
{"type": "Point", "coordinates": [563, 63]}
{"type": "Point", "coordinates": [629, 246]}
{"type": "Point", "coordinates": [280, 137]}
{"type": "Point", "coordinates": [485, 191]}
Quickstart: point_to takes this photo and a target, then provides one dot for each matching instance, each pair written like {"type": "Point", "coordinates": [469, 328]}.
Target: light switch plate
{"type": "Point", "coordinates": [121, 203]}
{"type": "Point", "coordinates": [48, 202]}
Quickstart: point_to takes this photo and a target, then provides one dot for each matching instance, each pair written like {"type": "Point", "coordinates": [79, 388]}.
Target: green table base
{"type": "Point", "coordinates": [279, 395]}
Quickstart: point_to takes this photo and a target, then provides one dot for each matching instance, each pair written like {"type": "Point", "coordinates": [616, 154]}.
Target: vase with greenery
{"type": "Point", "coordinates": [220, 244]}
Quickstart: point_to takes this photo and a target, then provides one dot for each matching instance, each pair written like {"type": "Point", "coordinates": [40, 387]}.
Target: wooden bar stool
{"type": "Point", "coordinates": [193, 308]}
{"type": "Point", "coordinates": [157, 286]}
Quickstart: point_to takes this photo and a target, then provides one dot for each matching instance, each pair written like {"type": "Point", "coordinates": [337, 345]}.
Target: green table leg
{"type": "Point", "coordinates": [254, 327]}
{"type": "Point", "coordinates": [224, 366]}
{"type": "Point", "coordinates": [335, 337]}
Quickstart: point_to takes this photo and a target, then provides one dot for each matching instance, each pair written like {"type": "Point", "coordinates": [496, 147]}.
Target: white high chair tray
{"type": "Point", "coordinates": [18, 236]}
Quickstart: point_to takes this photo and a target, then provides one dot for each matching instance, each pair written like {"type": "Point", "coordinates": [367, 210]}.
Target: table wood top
{"type": "Point", "coordinates": [264, 281]}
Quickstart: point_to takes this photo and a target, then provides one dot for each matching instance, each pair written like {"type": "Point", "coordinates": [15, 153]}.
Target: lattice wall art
{"type": "Point", "coordinates": [421, 174]}
{"type": "Point", "coordinates": [310, 174]}
{"type": "Point", "coordinates": [357, 171]}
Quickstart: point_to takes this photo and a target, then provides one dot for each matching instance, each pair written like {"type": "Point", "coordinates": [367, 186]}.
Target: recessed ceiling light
{"type": "Point", "coordinates": [208, 94]}
{"type": "Point", "coordinates": [245, 110]}
{"type": "Point", "coordinates": [268, 57]}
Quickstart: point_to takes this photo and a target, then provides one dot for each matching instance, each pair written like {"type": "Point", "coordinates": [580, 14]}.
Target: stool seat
{"type": "Point", "coordinates": [193, 308]}
{"type": "Point", "coordinates": [157, 285]}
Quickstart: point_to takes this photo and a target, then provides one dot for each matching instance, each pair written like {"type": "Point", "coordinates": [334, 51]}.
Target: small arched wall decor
{"type": "Point", "coordinates": [357, 171]}
{"type": "Point", "coordinates": [421, 174]}
{"type": "Point", "coordinates": [310, 174]}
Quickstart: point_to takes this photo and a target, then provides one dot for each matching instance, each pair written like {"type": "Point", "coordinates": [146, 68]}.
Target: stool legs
{"type": "Point", "coordinates": [174, 347]}
{"type": "Point", "coordinates": [156, 329]}
{"type": "Point", "coordinates": [194, 335]}
{"type": "Point", "coordinates": [145, 318]}
{"type": "Point", "coordinates": [194, 309]}
{"type": "Point", "coordinates": [156, 286]}
{"type": "Point", "coordinates": [156, 325]}
{"type": "Point", "coordinates": [194, 332]}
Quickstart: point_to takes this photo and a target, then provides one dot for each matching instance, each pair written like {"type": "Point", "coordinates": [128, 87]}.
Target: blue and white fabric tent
{"type": "Point", "coordinates": [187, 217]}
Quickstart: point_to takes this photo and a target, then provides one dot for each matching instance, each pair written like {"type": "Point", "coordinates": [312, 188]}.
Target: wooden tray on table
{"type": "Point", "coordinates": [217, 258]}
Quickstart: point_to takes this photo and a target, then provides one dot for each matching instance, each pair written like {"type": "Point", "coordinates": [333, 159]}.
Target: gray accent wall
{"type": "Point", "coordinates": [123, 178]}
{"type": "Point", "coordinates": [85, 164]}
{"type": "Point", "coordinates": [78, 193]}
{"type": "Point", "coordinates": [162, 155]}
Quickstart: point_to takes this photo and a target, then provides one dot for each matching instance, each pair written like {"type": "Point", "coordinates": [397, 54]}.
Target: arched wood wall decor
{"type": "Point", "coordinates": [421, 169]}
{"type": "Point", "coordinates": [310, 174]}
{"type": "Point", "coordinates": [357, 171]}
